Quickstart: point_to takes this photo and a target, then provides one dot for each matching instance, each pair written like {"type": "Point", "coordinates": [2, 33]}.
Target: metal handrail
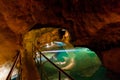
{"type": "Point", "coordinates": [18, 56]}
{"type": "Point", "coordinates": [59, 69]}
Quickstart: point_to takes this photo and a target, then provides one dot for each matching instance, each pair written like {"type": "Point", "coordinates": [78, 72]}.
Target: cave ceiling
{"type": "Point", "coordinates": [92, 23]}
{"type": "Point", "coordinates": [82, 18]}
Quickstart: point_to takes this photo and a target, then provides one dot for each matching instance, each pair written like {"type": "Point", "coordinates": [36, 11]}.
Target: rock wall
{"type": "Point", "coordinates": [92, 23]}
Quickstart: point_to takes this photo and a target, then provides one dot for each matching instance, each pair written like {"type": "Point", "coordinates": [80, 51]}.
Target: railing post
{"type": "Point", "coordinates": [56, 66]}
{"type": "Point", "coordinates": [59, 75]}
{"type": "Point", "coordinates": [20, 75]}
{"type": "Point", "coordinates": [14, 64]}
{"type": "Point", "coordinates": [41, 65]}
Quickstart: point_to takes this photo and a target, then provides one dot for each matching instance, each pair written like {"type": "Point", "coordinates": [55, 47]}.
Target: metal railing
{"type": "Point", "coordinates": [60, 71]}
{"type": "Point", "coordinates": [17, 61]}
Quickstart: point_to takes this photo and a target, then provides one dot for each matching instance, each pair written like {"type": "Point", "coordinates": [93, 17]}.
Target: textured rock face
{"type": "Point", "coordinates": [110, 57]}
{"type": "Point", "coordinates": [86, 21]}
{"type": "Point", "coordinates": [83, 18]}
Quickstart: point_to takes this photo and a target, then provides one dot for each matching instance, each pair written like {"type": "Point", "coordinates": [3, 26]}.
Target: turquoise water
{"type": "Point", "coordinates": [98, 75]}
{"type": "Point", "coordinates": [50, 71]}
{"type": "Point", "coordinates": [79, 62]}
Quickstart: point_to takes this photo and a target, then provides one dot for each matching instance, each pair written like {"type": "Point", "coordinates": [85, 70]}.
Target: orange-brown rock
{"type": "Point", "coordinates": [86, 20]}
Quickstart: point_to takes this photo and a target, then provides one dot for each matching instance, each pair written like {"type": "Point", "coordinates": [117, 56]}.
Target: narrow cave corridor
{"type": "Point", "coordinates": [92, 24]}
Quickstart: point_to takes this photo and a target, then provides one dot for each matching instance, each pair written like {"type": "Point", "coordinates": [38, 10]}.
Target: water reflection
{"type": "Point", "coordinates": [78, 60]}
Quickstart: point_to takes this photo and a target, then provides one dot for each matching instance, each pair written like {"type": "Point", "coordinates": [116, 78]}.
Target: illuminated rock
{"type": "Point", "coordinates": [5, 69]}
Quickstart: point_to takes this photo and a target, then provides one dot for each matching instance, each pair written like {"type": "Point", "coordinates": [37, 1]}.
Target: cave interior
{"type": "Point", "coordinates": [94, 24]}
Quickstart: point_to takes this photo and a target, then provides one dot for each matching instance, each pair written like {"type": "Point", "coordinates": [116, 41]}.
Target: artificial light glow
{"type": "Point", "coordinates": [47, 45]}
{"type": "Point", "coordinates": [68, 50]}
{"type": "Point", "coordinates": [5, 69]}
{"type": "Point", "coordinates": [59, 43]}
{"type": "Point", "coordinates": [52, 43]}
{"type": "Point", "coordinates": [54, 51]}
